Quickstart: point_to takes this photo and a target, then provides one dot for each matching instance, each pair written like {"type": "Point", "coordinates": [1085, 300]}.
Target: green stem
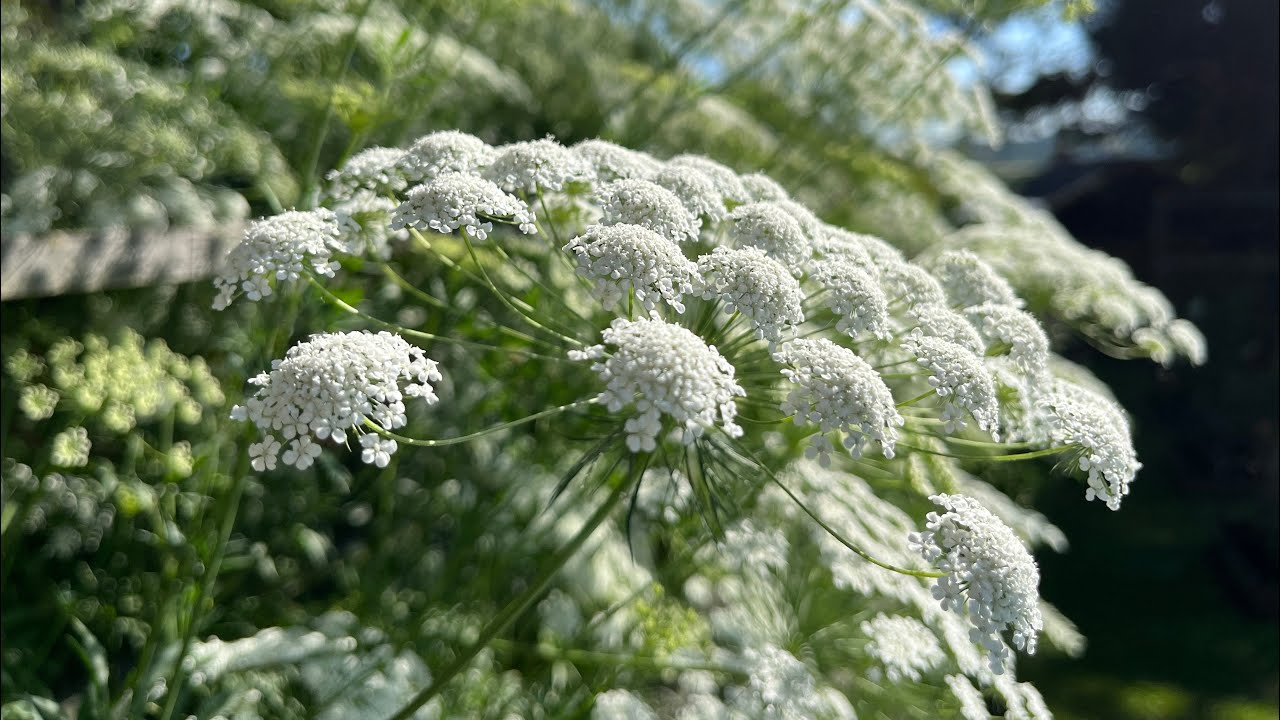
{"type": "Point", "coordinates": [466, 238]}
{"type": "Point", "coordinates": [207, 582]}
{"type": "Point", "coordinates": [345, 306]}
{"type": "Point", "coordinates": [309, 176]}
{"type": "Point", "coordinates": [995, 458]}
{"type": "Point", "coordinates": [830, 530]}
{"type": "Point", "coordinates": [613, 660]}
{"type": "Point", "coordinates": [524, 601]}
{"type": "Point", "coordinates": [465, 438]}
{"type": "Point", "coordinates": [917, 398]}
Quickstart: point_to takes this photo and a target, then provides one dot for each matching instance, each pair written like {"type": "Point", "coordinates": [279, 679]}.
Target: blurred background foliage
{"type": "Point", "coordinates": [1155, 141]}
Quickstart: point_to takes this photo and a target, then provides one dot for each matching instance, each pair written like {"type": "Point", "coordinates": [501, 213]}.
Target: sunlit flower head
{"type": "Point", "coordinates": [376, 169]}
{"type": "Point", "coordinates": [968, 280]}
{"type": "Point", "coordinates": [640, 202]}
{"type": "Point", "coordinates": [620, 259]}
{"type": "Point", "coordinates": [281, 247]}
{"type": "Point", "coordinates": [725, 179]}
{"type": "Point", "coordinates": [903, 646]}
{"type": "Point", "coordinates": [760, 187]}
{"type": "Point", "coordinates": [765, 225]}
{"type": "Point", "coordinates": [1081, 417]}
{"type": "Point", "coordinates": [959, 378]}
{"type": "Point", "coordinates": [660, 370]}
{"type": "Point", "coordinates": [452, 201]}
{"type": "Point", "coordinates": [537, 166]}
{"type": "Point", "coordinates": [747, 281]}
{"type": "Point", "coordinates": [838, 391]}
{"type": "Point", "coordinates": [614, 162]}
{"type": "Point", "coordinates": [695, 189]}
{"type": "Point", "coordinates": [990, 576]}
{"type": "Point", "coordinates": [331, 384]}
{"type": "Point", "coordinates": [854, 295]}
{"type": "Point", "coordinates": [446, 151]}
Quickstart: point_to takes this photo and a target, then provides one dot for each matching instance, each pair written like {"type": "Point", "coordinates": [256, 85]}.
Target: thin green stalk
{"type": "Point", "coordinates": [343, 305]}
{"type": "Point", "coordinates": [466, 238]}
{"type": "Point", "coordinates": [830, 530]}
{"type": "Point", "coordinates": [207, 582]}
{"type": "Point", "coordinates": [309, 178]}
{"type": "Point", "coordinates": [525, 600]}
{"type": "Point", "coordinates": [1013, 457]}
{"type": "Point", "coordinates": [466, 438]}
{"type": "Point", "coordinates": [613, 660]}
{"type": "Point", "coordinates": [917, 398]}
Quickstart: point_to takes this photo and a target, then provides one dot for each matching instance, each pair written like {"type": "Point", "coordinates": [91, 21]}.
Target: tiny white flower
{"type": "Point", "coordinates": [726, 180]}
{"type": "Point", "coordinates": [968, 280]}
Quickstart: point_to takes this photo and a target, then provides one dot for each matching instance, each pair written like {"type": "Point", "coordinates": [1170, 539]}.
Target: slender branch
{"type": "Point", "coordinates": [466, 238]}
{"type": "Point", "coordinates": [830, 530]}
{"type": "Point", "coordinates": [518, 606]}
{"type": "Point", "coordinates": [996, 458]}
{"type": "Point", "coordinates": [465, 438]}
{"type": "Point", "coordinates": [347, 307]}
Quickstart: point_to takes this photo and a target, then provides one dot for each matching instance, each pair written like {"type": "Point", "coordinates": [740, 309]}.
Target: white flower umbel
{"type": "Point", "coordinates": [1005, 328]}
{"type": "Point", "coordinates": [761, 187]}
{"type": "Point", "coordinates": [1188, 340]}
{"type": "Point", "coordinates": [70, 448]}
{"type": "Point", "coordinates": [618, 704]}
{"type": "Point", "coordinates": [814, 229]}
{"type": "Point", "coordinates": [443, 152]}
{"type": "Point", "coordinates": [780, 687]}
{"type": "Point", "coordinates": [1080, 417]}
{"type": "Point", "coordinates": [695, 189]}
{"type": "Point", "coordinates": [376, 169]}
{"type": "Point", "coordinates": [968, 280]}
{"type": "Point", "coordinates": [278, 247]}
{"type": "Point", "coordinates": [767, 226]}
{"type": "Point", "coordinates": [840, 244]}
{"type": "Point", "coordinates": [746, 280]}
{"type": "Point", "coordinates": [960, 380]}
{"type": "Point", "coordinates": [614, 162]}
{"type": "Point", "coordinates": [537, 166]}
{"type": "Point", "coordinates": [853, 294]}
{"type": "Point", "coordinates": [910, 283]}
{"type": "Point", "coordinates": [940, 321]}
{"type": "Point", "coordinates": [618, 259]}
{"type": "Point", "coordinates": [972, 706]}
{"type": "Point", "coordinates": [663, 369]}
{"type": "Point", "coordinates": [330, 384]}
{"type": "Point", "coordinates": [726, 180]}
{"type": "Point", "coordinates": [458, 200]}
{"type": "Point", "coordinates": [837, 390]}
{"type": "Point", "coordinates": [640, 202]}
{"type": "Point", "coordinates": [903, 645]}
{"type": "Point", "coordinates": [990, 575]}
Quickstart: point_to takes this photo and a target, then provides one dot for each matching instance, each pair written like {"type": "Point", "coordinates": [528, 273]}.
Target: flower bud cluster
{"type": "Point", "coordinates": [903, 645]}
{"type": "Point", "coordinates": [960, 380]}
{"type": "Point", "coordinates": [746, 280]}
{"type": "Point", "coordinates": [1098, 426]}
{"type": "Point", "coordinates": [640, 202]}
{"type": "Point", "coordinates": [766, 225]}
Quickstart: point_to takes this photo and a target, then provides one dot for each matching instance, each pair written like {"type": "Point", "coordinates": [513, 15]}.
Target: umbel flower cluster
{"type": "Point", "coordinates": [695, 332]}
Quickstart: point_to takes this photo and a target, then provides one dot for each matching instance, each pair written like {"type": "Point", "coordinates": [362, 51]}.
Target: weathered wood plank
{"type": "Point", "coordinates": [61, 263]}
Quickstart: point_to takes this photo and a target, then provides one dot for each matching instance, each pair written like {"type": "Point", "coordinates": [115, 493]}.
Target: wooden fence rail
{"type": "Point", "coordinates": [66, 262]}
